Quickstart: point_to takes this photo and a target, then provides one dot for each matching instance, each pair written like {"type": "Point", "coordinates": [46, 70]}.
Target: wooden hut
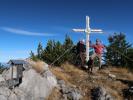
{"type": "Point", "coordinates": [16, 71]}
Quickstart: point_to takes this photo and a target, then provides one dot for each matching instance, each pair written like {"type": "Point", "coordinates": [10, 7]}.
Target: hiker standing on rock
{"type": "Point", "coordinates": [98, 48]}
{"type": "Point", "coordinates": [81, 51]}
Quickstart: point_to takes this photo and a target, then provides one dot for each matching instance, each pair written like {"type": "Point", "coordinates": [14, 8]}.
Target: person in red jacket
{"type": "Point", "coordinates": [98, 48]}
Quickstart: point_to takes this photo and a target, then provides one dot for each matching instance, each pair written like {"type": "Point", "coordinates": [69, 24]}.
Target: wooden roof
{"type": "Point", "coordinates": [18, 62]}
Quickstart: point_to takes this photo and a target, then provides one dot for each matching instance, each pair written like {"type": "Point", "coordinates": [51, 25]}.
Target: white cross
{"type": "Point", "coordinates": [88, 30]}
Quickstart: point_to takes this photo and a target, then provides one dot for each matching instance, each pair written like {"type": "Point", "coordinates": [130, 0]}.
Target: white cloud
{"type": "Point", "coordinates": [24, 32]}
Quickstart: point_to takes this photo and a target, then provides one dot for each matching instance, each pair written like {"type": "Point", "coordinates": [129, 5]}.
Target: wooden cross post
{"type": "Point", "coordinates": [88, 30]}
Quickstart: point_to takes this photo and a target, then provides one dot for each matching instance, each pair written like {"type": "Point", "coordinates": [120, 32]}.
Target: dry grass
{"type": "Point", "coordinates": [85, 82]}
{"type": "Point", "coordinates": [119, 70]}
{"type": "Point", "coordinates": [38, 66]}
{"type": "Point", "coordinates": [122, 73]}
{"type": "Point", "coordinates": [75, 73]}
{"type": "Point", "coordinates": [55, 95]}
{"type": "Point", "coordinates": [129, 76]}
{"type": "Point", "coordinates": [116, 85]}
{"type": "Point", "coordinates": [117, 95]}
{"type": "Point", "coordinates": [69, 68]}
{"type": "Point", "coordinates": [60, 74]}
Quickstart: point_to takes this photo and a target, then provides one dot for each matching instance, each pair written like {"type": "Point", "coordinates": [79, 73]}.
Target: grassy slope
{"type": "Point", "coordinates": [85, 82]}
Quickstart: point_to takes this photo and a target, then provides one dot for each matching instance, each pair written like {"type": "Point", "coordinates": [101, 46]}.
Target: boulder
{"type": "Point", "coordinates": [68, 92]}
{"type": "Point", "coordinates": [39, 66]}
{"type": "Point", "coordinates": [4, 93]}
{"type": "Point", "coordinates": [50, 78]}
{"type": "Point", "coordinates": [128, 93]}
{"type": "Point", "coordinates": [100, 93]}
{"type": "Point", "coordinates": [13, 97]}
{"type": "Point", "coordinates": [2, 97]}
{"type": "Point", "coordinates": [2, 81]}
{"type": "Point", "coordinates": [112, 76]}
{"type": "Point", "coordinates": [36, 86]}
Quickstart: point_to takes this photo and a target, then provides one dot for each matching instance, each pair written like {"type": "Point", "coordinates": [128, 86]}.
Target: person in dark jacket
{"type": "Point", "coordinates": [81, 51]}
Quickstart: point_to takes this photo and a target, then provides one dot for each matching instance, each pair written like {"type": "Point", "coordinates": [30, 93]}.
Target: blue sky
{"type": "Point", "coordinates": [25, 23]}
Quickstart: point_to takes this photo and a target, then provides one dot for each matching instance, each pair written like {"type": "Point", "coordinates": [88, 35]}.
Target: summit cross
{"type": "Point", "coordinates": [88, 30]}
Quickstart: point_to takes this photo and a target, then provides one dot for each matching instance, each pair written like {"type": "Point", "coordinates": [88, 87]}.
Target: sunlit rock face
{"type": "Point", "coordinates": [34, 85]}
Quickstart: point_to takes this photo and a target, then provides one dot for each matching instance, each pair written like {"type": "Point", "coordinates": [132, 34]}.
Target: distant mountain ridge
{"type": "Point", "coordinates": [5, 65]}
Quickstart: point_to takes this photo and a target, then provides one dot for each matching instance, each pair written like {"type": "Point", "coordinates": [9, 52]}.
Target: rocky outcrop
{"type": "Point", "coordinates": [100, 93]}
{"type": "Point", "coordinates": [34, 86]}
{"type": "Point", "coordinates": [128, 93]}
{"type": "Point", "coordinates": [2, 81]}
{"type": "Point", "coordinates": [68, 92]}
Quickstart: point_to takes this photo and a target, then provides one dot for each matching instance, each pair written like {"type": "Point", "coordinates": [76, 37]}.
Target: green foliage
{"type": "Point", "coordinates": [130, 55]}
{"type": "Point", "coordinates": [54, 50]}
{"type": "Point", "coordinates": [39, 50]}
{"type": "Point", "coordinates": [117, 50]}
{"type": "Point", "coordinates": [67, 45]}
{"type": "Point", "coordinates": [33, 56]}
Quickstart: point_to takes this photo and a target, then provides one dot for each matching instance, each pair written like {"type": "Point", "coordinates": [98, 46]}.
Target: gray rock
{"type": "Point", "coordinates": [69, 93]}
{"type": "Point", "coordinates": [99, 93]}
{"type": "Point", "coordinates": [131, 90]}
{"type": "Point", "coordinates": [2, 81]}
{"type": "Point", "coordinates": [21, 95]}
{"type": "Point", "coordinates": [108, 97]}
{"type": "Point", "coordinates": [112, 76]}
{"type": "Point", "coordinates": [35, 86]}
{"type": "Point", "coordinates": [2, 97]}
{"type": "Point", "coordinates": [128, 93]}
{"type": "Point", "coordinates": [5, 91]}
{"type": "Point", "coordinates": [1, 78]}
{"type": "Point", "coordinates": [12, 97]}
{"type": "Point", "coordinates": [74, 95]}
{"type": "Point", "coordinates": [50, 78]}
{"type": "Point", "coordinates": [61, 82]}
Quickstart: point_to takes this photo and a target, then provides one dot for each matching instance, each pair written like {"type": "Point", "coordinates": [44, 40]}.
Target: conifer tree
{"type": "Point", "coordinates": [39, 51]}
{"type": "Point", "coordinates": [68, 45]}
{"type": "Point", "coordinates": [33, 56]}
{"type": "Point", "coordinates": [117, 50]}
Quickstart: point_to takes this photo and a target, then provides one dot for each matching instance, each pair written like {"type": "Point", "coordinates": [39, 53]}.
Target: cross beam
{"type": "Point", "coordinates": [88, 30]}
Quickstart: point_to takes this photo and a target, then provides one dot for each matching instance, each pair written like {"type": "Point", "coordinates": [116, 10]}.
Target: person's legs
{"type": "Point", "coordinates": [92, 61]}
{"type": "Point", "coordinates": [100, 60]}
{"type": "Point", "coordinates": [89, 64]}
{"type": "Point", "coordinates": [82, 56]}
